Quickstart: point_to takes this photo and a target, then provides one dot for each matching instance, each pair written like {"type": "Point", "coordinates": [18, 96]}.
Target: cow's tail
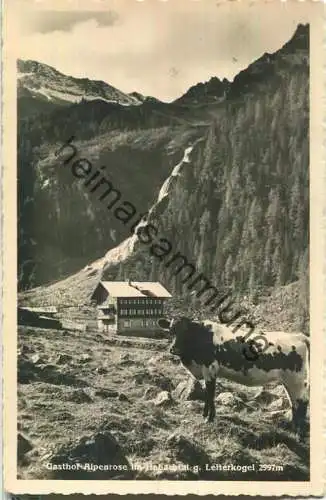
{"type": "Point", "coordinates": [307, 342]}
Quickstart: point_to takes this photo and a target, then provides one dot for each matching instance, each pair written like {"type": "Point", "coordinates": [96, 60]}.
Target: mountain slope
{"type": "Point", "coordinates": [38, 80]}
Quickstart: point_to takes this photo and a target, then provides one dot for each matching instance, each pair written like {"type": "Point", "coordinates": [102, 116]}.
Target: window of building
{"type": "Point", "coordinates": [127, 323]}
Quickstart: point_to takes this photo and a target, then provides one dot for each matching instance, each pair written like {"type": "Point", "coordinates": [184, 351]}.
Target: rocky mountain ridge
{"type": "Point", "coordinates": [39, 80]}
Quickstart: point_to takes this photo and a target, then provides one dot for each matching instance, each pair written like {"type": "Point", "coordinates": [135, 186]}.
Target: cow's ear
{"type": "Point", "coordinates": [164, 323]}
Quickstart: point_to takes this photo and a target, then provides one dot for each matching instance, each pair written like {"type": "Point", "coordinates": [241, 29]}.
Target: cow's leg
{"type": "Point", "coordinates": [299, 412]}
{"type": "Point", "coordinates": [299, 396]}
{"type": "Point", "coordinates": [206, 407]}
{"type": "Point", "coordinates": [209, 374]}
{"type": "Point", "coordinates": [210, 394]}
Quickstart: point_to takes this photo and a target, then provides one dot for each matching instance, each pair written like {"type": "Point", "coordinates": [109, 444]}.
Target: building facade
{"type": "Point", "coordinates": [130, 308]}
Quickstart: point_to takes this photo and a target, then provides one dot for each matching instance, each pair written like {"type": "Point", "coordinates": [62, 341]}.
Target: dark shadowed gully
{"type": "Point", "coordinates": [97, 182]}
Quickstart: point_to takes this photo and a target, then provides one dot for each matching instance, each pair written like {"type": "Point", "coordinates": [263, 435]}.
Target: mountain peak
{"type": "Point", "coordinates": [214, 90]}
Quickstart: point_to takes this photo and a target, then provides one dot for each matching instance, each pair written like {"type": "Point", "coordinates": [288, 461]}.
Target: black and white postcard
{"type": "Point", "coordinates": [163, 247]}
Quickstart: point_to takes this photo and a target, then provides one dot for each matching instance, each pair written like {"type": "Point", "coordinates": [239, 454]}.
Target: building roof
{"type": "Point", "coordinates": [135, 289]}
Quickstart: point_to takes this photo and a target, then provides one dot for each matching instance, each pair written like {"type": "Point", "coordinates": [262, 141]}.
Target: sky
{"type": "Point", "coordinates": [156, 47]}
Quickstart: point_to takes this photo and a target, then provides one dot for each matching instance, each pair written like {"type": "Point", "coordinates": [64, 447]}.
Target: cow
{"type": "Point", "coordinates": [209, 350]}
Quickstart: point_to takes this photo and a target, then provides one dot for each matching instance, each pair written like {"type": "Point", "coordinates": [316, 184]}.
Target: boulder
{"type": "Point", "coordinates": [101, 450]}
{"type": "Point", "coordinates": [23, 446]}
{"type": "Point", "coordinates": [64, 416]}
{"type": "Point", "coordinates": [278, 404]}
{"type": "Point", "coordinates": [194, 406]}
{"type": "Point", "coordinates": [36, 358]}
{"type": "Point", "coordinates": [123, 397]}
{"type": "Point", "coordinates": [150, 392]}
{"type": "Point", "coordinates": [263, 397]}
{"type": "Point", "coordinates": [50, 374]}
{"type": "Point", "coordinates": [47, 368]}
{"type": "Point", "coordinates": [25, 349]}
{"type": "Point", "coordinates": [63, 359]}
{"type": "Point", "coordinates": [26, 370]}
{"type": "Point", "coordinates": [189, 390]}
{"type": "Point", "coordinates": [106, 393]}
{"type": "Point", "coordinates": [161, 381]}
{"type": "Point", "coordinates": [162, 399]}
{"type": "Point", "coordinates": [153, 377]}
{"type": "Point", "coordinates": [101, 370]}
{"type": "Point", "coordinates": [84, 358]}
{"type": "Point", "coordinates": [266, 397]}
{"type": "Point", "coordinates": [79, 396]}
{"type": "Point", "coordinates": [186, 451]}
{"type": "Point", "coordinates": [124, 358]}
{"type": "Point", "coordinates": [281, 415]}
{"type": "Point", "coordinates": [227, 399]}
